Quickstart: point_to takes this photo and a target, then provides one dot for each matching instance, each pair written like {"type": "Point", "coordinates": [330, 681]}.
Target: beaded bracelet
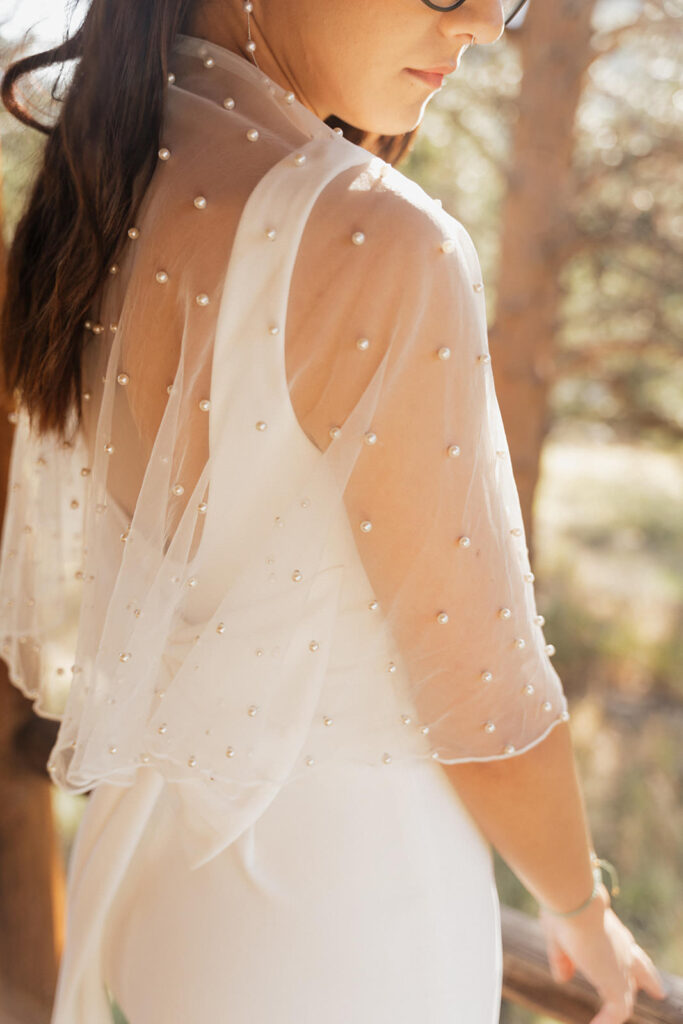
{"type": "Point", "coordinates": [598, 864]}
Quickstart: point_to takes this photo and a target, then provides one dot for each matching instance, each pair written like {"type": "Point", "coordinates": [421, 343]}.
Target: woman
{"type": "Point", "coordinates": [309, 683]}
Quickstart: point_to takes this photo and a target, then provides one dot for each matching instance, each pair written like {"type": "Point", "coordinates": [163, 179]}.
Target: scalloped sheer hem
{"type": "Point", "coordinates": [505, 757]}
{"type": "Point", "coordinates": [35, 698]}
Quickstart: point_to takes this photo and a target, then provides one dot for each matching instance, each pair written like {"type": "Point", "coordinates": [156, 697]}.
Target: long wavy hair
{"type": "Point", "coordinates": [97, 160]}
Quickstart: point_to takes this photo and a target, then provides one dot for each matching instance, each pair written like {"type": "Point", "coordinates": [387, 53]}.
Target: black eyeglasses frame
{"type": "Point", "coordinates": [459, 3]}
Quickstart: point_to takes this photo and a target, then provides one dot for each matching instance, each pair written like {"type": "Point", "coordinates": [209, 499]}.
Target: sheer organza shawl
{"type": "Point", "coordinates": [292, 484]}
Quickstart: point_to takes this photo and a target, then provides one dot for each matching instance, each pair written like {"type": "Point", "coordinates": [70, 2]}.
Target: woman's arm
{"type": "Point", "coordinates": [530, 807]}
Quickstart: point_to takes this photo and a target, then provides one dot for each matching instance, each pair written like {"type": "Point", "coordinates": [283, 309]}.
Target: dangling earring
{"type": "Point", "coordinates": [251, 45]}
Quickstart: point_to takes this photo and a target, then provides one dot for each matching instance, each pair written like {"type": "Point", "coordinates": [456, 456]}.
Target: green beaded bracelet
{"type": "Point", "coordinates": [598, 864]}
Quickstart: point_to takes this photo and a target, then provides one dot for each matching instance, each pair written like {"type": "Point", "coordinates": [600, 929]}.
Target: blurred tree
{"type": "Point", "coordinates": [560, 151]}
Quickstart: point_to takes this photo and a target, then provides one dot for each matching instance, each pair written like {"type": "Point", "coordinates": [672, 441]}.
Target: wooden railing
{"type": "Point", "coordinates": [527, 980]}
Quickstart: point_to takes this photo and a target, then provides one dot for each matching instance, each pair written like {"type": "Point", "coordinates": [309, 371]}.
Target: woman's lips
{"type": "Point", "coordinates": [430, 78]}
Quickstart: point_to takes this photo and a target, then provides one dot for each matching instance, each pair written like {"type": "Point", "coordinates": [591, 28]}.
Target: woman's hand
{"type": "Point", "coordinates": [606, 953]}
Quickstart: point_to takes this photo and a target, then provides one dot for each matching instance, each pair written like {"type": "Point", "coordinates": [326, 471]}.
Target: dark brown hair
{"type": "Point", "coordinates": [97, 161]}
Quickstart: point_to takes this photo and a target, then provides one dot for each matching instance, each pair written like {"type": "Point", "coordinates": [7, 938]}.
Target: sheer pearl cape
{"type": "Point", "coordinates": [292, 479]}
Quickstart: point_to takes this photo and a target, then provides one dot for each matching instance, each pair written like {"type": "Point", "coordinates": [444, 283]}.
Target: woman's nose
{"type": "Point", "coordinates": [484, 19]}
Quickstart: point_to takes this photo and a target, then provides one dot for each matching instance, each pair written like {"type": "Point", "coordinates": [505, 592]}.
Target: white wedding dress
{"type": "Point", "coordinates": [302, 585]}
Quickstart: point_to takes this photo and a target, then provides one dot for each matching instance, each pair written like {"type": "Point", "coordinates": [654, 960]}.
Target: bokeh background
{"type": "Point", "coordinates": [560, 150]}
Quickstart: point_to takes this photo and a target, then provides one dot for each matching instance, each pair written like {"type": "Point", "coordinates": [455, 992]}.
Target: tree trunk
{"type": "Point", "coordinates": [537, 219]}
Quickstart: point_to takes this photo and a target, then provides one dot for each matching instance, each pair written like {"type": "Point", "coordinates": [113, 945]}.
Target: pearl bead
{"type": "Point", "coordinates": [444, 353]}
{"type": "Point", "coordinates": [520, 642]}
{"type": "Point", "coordinates": [516, 531]}
{"type": "Point", "coordinates": [464, 542]}
{"type": "Point", "coordinates": [386, 758]}
{"type": "Point", "coordinates": [252, 710]}
{"type": "Point", "coordinates": [297, 576]}
{"type": "Point", "coordinates": [529, 688]}
{"type": "Point", "coordinates": [310, 761]}
{"type": "Point", "coordinates": [230, 752]}
{"type": "Point", "coordinates": [192, 581]}
{"type": "Point", "coordinates": [363, 344]}
{"type": "Point", "coordinates": [424, 729]}
{"type": "Point", "coordinates": [509, 748]}
{"type": "Point", "coordinates": [114, 268]}
{"type": "Point", "coordinates": [549, 649]}
{"type": "Point", "coordinates": [373, 606]}
{"type": "Point", "coordinates": [274, 329]}
{"type": "Point", "coordinates": [113, 328]}
{"type": "Point", "coordinates": [202, 299]}
{"type": "Point", "coordinates": [391, 667]}
{"type": "Point", "coordinates": [442, 617]}
{"type": "Point", "coordinates": [338, 130]}
{"type": "Point", "coordinates": [229, 103]}
{"type": "Point", "coordinates": [486, 676]}
{"type": "Point", "coordinates": [271, 233]}
{"type": "Point", "coordinates": [539, 620]}
{"type": "Point", "coordinates": [251, 46]}
{"type": "Point", "coordinates": [478, 286]}
{"type": "Point", "coordinates": [164, 153]}
{"type": "Point", "coordinates": [109, 448]}
{"type": "Point", "coordinates": [169, 390]}
{"type": "Point", "coordinates": [86, 396]}
{"type": "Point", "coordinates": [178, 489]}
{"type": "Point", "coordinates": [366, 526]}
{"type": "Point", "coordinates": [300, 159]}
{"type": "Point", "coordinates": [546, 705]}
{"type": "Point", "coordinates": [261, 425]}
{"type": "Point", "coordinates": [448, 245]}
{"type": "Point", "coordinates": [204, 404]}
{"type": "Point", "coordinates": [144, 758]}
{"type": "Point", "coordinates": [489, 726]}
{"type": "Point", "coordinates": [162, 728]}
{"type": "Point", "coordinates": [200, 202]}
{"type": "Point", "coordinates": [133, 232]}
{"type": "Point", "coordinates": [484, 357]}
{"type": "Point", "coordinates": [453, 451]}
{"type": "Point", "coordinates": [220, 628]}
{"type": "Point", "coordinates": [334, 432]}
{"type": "Point", "coordinates": [529, 577]}
{"type": "Point", "coordinates": [314, 645]}
{"type": "Point", "coordinates": [253, 134]}
{"type": "Point", "coordinates": [504, 613]}
{"type": "Point", "coordinates": [125, 656]}
{"type": "Point", "coordinates": [161, 276]}
{"type": "Point", "coordinates": [370, 437]}
{"type": "Point", "coordinates": [565, 716]}
{"type": "Point", "coordinates": [113, 750]}
{"type": "Point", "coordinates": [98, 328]}
{"type": "Point", "coordinates": [170, 78]}
{"type": "Point", "coordinates": [327, 721]}
{"type": "Point", "coordinates": [248, 6]}
{"type": "Point", "coordinates": [209, 62]}
{"type": "Point", "coordinates": [289, 97]}
{"type": "Point", "coordinates": [406, 719]}
{"type": "Point", "coordinates": [358, 238]}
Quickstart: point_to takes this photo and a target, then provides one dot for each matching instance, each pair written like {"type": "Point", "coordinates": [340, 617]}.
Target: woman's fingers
{"type": "Point", "coordinates": [646, 974]}
{"type": "Point", "coordinates": [615, 1011]}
